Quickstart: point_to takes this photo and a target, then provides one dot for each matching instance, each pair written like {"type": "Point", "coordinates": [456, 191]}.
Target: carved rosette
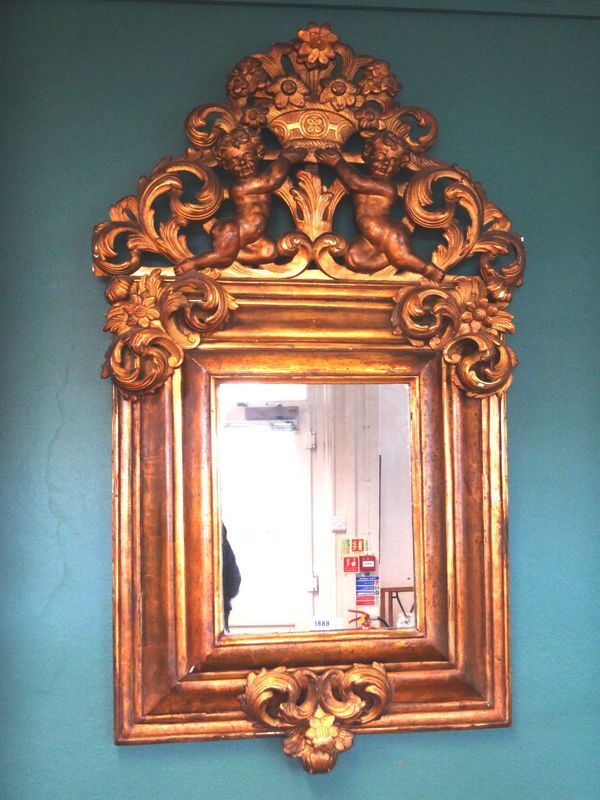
{"type": "Point", "coordinates": [316, 711]}
{"type": "Point", "coordinates": [153, 321]}
{"type": "Point", "coordinates": [465, 326]}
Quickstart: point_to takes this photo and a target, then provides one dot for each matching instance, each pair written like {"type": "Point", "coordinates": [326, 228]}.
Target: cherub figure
{"type": "Point", "coordinates": [383, 240]}
{"type": "Point", "coordinates": [242, 237]}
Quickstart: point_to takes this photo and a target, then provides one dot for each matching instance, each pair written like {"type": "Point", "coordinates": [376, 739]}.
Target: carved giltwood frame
{"type": "Point", "coordinates": [319, 316]}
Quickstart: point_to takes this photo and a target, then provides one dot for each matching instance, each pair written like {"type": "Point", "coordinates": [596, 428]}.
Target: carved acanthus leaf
{"type": "Point", "coordinates": [133, 226]}
{"type": "Point", "coordinates": [205, 124]}
{"type": "Point", "coordinates": [316, 710]}
{"type": "Point", "coordinates": [312, 205]}
{"type": "Point", "coordinates": [485, 231]}
{"type": "Point", "coordinates": [399, 121]}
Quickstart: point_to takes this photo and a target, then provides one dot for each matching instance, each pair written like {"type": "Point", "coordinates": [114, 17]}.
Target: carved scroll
{"type": "Point", "coordinates": [487, 231]}
{"type": "Point", "coordinates": [154, 321]}
{"type": "Point", "coordinates": [316, 711]}
{"type": "Point", "coordinates": [462, 324]}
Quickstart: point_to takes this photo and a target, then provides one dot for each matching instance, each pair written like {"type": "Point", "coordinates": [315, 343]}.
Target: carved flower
{"type": "Point", "coordinates": [288, 91]}
{"type": "Point", "coordinates": [340, 93]}
{"type": "Point", "coordinates": [379, 80]}
{"type": "Point", "coordinates": [319, 744]}
{"type": "Point", "coordinates": [238, 86]}
{"type": "Point", "coordinates": [378, 69]}
{"type": "Point", "coordinates": [250, 66]}
{"type": "Point", "coordinates": [315, 45]}
{"type": "Point", "coordinates": [140, 310]}
{"type": "Point", "coordinates": [255, 116]}
{"type": "Point", "coordinates": [323, 734]}
{"type": "Point", "coordinates": [250, 69]}
{"type": "Point", "coordinates": [368, 119]}
{"type": "Point", "coordinates": [476, 310]}
{"type": "Point", "coordinates": [481, 313]}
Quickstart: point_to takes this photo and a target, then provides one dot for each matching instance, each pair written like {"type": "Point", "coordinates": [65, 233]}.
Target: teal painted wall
{"type": "Point", "coordinates": [98, 92]}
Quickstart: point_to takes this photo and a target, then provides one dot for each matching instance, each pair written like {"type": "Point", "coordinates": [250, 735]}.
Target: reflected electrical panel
{"type": "Point", "coordinates": [315, 500]}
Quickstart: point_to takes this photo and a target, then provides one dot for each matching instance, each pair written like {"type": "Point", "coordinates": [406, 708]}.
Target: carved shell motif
{"type": "Point", "coordinates": [316, 711]}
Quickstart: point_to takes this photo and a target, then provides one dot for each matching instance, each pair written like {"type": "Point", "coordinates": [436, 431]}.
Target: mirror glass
{"type": "Point", "coordinates": [316, 506]}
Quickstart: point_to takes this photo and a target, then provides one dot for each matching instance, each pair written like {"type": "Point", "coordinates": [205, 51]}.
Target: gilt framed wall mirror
{"type": "Point", "coordinates": [308, 318]}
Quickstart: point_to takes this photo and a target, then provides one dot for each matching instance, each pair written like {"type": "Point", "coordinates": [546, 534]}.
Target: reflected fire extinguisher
{"type": "Point", "coordinates": [364, 619]}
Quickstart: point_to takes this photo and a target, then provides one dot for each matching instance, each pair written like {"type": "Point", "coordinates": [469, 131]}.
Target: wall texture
{"type": "Point", "coordinates": [98, 92]}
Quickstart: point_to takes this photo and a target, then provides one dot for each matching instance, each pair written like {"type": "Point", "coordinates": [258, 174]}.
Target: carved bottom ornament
{"type": "Point", "coordinates": [468, 330]}
{"type": "Point", "coordinates": [316, 711]}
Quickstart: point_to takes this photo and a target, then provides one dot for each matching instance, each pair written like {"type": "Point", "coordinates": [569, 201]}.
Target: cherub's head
{"type": "Point", "coordinates": [239, 151]}
{"type": "Point", "coordinates": [384, 154]}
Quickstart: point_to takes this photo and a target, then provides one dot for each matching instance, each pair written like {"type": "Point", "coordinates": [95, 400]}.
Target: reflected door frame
{"type": "Point", "coordinates": [323, 499]}
{"type": "Point", "coordinates": [294, 579]}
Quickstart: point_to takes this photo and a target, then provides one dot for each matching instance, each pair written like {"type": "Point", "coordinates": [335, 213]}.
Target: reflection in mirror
{"type": "Point", "coordinates": [316, 510]}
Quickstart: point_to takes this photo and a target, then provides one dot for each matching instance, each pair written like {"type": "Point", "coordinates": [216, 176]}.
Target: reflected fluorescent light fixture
{"type": "Point", "coordinates": [276, 417]}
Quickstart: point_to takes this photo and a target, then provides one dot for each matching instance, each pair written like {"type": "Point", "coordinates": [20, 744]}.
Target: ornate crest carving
{"type": "Point", "coordinates": [313, 96]}
{"type": "Point", "coordinates": [316, 711]}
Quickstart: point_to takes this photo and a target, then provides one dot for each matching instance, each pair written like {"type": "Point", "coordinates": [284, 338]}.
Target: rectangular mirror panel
{"type": "Point", "coordinates": [316, 506]}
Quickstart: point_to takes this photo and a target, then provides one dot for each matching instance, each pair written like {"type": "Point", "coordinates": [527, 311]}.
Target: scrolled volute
{"type": "Point", "coordinates": [461, 322]}
{"type": "Point", "coordinates": [141, 361]}
{"type": "Point", "coordinates": [154, 321]}
{"type": "Point", "coordinates": [485, 232]}
{"type": "Point", "coordinates": [458, 193]}
{"type": "Point", "coordinates": [426, 123]}
{"type": "Point", "coordinates": [272, 696]}
{"type": "Point", "coordinates": [369, 689]}
{"type": "Point", "coordinates": [133, 230]}
{"type": "Point", "coordinates": [196, 304]}
{"type": "Point", "coordinates": [500, 282]}
{"type": "Point", "coordinates": [483, 363]}
{"type": "Point", "coordinates": [203, 127]}
{"type": "Point", "coordinates": [426, 315]}
{"type": "Point", "coordinates": [316, 710]}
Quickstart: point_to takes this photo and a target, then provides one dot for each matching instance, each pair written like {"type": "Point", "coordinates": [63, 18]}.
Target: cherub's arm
{"type": "Point", "coordinates": [274, 176]}
{"type": "Point", "coordinates": [352, 179]}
